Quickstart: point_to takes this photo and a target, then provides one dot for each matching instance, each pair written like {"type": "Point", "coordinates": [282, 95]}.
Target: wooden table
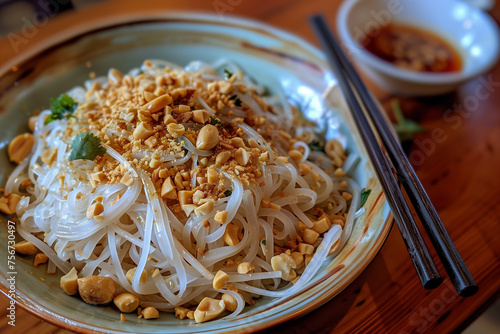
{"type": "Point", "coordinates": [460, 174]}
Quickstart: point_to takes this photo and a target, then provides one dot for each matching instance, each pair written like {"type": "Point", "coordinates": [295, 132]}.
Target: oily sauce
{"type": "Point", "coordinates": [413, 49]}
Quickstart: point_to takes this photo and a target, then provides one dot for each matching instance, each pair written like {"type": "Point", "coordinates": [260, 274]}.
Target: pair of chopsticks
{"type": "Point", "coordinates": [360, 100]}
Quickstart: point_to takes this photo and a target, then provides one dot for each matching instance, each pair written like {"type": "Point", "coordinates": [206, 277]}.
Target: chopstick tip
{"type": "Point", "coordinates": [468, 290]}
{"type": "Point", "coordinates": [432, 283]}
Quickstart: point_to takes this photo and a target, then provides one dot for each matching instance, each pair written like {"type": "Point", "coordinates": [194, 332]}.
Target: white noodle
{"type": "Point", "coordinates": [138, 230]}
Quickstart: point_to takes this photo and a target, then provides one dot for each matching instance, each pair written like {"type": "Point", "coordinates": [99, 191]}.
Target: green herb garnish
{"type": "Point", "coordinates": [237, 101]}
{"type": "Point", "coordinates": [62, 106]}
{"type": "Point", "coordinates": [214, 121]}
{"type": "Point", "coordinates": [228, 73]}
{"type": "Point", "coordinates": [364, 196]}
{"type": "Point", "coordinates": [405, 128]}
{"type": "Point", "coordinates": [227, 193]}
{"type": "Point", "coordinates": [316, 146]}
{"type": "Point", "coordinates": [86, 146]}
{"type": "Point", "coordinates": [263, 242]}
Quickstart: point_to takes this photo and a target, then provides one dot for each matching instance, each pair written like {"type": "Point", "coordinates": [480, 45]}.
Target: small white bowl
{"type": "Point", "coordinates": [470, 31]}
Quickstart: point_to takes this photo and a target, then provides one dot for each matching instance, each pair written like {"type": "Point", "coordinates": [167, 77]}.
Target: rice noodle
{"type": "Point", "coordinates": [191, 148]}
{"type": "Point", "coordinates": [268, 199]}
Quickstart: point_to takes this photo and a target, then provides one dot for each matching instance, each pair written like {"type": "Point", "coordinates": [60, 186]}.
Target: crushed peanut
{"type": "Point", "coordinates": [97, 289]}
{"type": "Point", "coordinates": [245, 268]}
{"type": "Point", "coordinates": [25, 247]}
{"type": "Point", "coordinates": [40, 258]}
{"type": "Point", "coordinates": [221, 217]}
{"type": "Point", "coordinates": [20, 147]}
{"type": "Point", "coordinates": [220, 279]}
{"type": "Point", "coordinates": [126, 302]}
{"type": "Point", "coordinates": [150, 313]}
{"type": "Point", "coordinates": [153, 120]}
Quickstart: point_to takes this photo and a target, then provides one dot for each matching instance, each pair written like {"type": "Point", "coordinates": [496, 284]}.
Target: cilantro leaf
{"type": "Point", "coordinates": [227, 193]}
{"type": "Point", "coordinates": [264, 242]}
{"type": "Point", "coordinates": [364, 196]}
{"type": "Point", "coordinates": [405, 128]}
{"type": "Point", "coordinates": [86, 146]}
{"type": "Point", "coordinates": [51, 118]}
{"type": "Point", "coordinates": [237, 101]}
{"type": "Point", "coordinates": [228, 73]}
{"type": "Point", "coordinates": [316, 146]}
{"type": "Point", "coordinates": [214, 121]}
{"type": "Point", "coordinates": [62, 106]}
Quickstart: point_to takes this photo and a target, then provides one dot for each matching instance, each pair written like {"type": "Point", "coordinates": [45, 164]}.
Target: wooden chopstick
{"type": "Point", "coordinates": [455, 266]}
{"type": "Point", "coordinates": [422, 260]}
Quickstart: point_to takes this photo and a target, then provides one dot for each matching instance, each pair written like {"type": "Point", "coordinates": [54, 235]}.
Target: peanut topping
{"type": "Point", "coordinates": [304, 168]}
{"type": "Point", "coordinates": [168, 119]}
{"type": "Point", "coordinates": [144, 115]}
{"type": "Point", "coordinates": [212, 175]}
{"type": "Point", "coordinates": [322, 225]}
{"type": "Point", "coordinates": [181, 312]}
{"type": "Point", "coordinates": [347, 195]}
{"type": "Point", "coordinates": [295, 155]}
{"type": "Point", "coordinates": [115, 77]}
{"type": "Point", "coordinates": [49, 156]}
{"type": "Point", "coordinates": [158, 103]}
{"type": "Point", "coordinates": [148, 96]}
{"type": "Point", "coordinates": [32, 122]}
{"type": "Point", "coordinates": [241, 156]}
{"type": "Point", "coordinates": [334, 150]}
{"type": "Point", "coordinates": [220, 217]}
{"type": "Point", "coordinates": [222, 157]}
{"type": "Point", "coordinates": [176, 130]}
{"type": "Point", "coordinates": [183, 108]}
{"type": "Point", "coordinates": [286, 264]}
{"type": "Point", "coordinates": [220, 279]}
{"type": "Point", "coordinates": [208, 137]}
{"type": "Point", "coordinates": [97, 289]}
{"type": "Point", "coordinates": [8, 203]}
{"type": "Point", "coordinates": [185, 197]}
{"type": "Point", "coordinates": [143, 131]}
{"type": "Point", "coordinates": [150, 313]}
{"type": "Point", "coordinates": [231, 234]}
{"type": "Point", "coordinates": [168, 189]}
{"type": "Point", "coordinates": [126, 302]}
{"type": "Point", "coordinates": [25, 247]}
{"type": "Point", "coordinates": [130, 276]}
{"type": "Point", "coordinates": [127, 179]}
{"type": "Point", "coordinates": [201, 116]}
{"type": "Point", "coordinates": [205, 208]}
{"type": "Point", "coordinates": [40, 258]}
{"type": "Point", "coordinates": [298, 258]}
{"type": "Point", "coordinates": [306, 249]}
{"type": "Point", "coordinates": [20, 147]}
{"type": "Point", "coordinates": [69, 282]}
{"type": "Point", "coordinates": [95, 210]}
{"type": "Point", "coordinates": [208, 309]}
{"type": "Point", "coordinates": [230, 302]}
{"type": "Point", "coordinates": [310, 236]}
{"type": "Point", "coordinates": [246, 268]}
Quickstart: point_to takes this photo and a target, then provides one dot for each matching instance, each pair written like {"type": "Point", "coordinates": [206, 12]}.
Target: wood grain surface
{"type": "Point", "coordinates": [459, 169]}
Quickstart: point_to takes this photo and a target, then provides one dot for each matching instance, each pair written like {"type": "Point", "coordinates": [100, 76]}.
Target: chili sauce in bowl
{"type": "Point", "coordinates": [418, 48]}
{"type": "Point", "coordinates": [414, 49]}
